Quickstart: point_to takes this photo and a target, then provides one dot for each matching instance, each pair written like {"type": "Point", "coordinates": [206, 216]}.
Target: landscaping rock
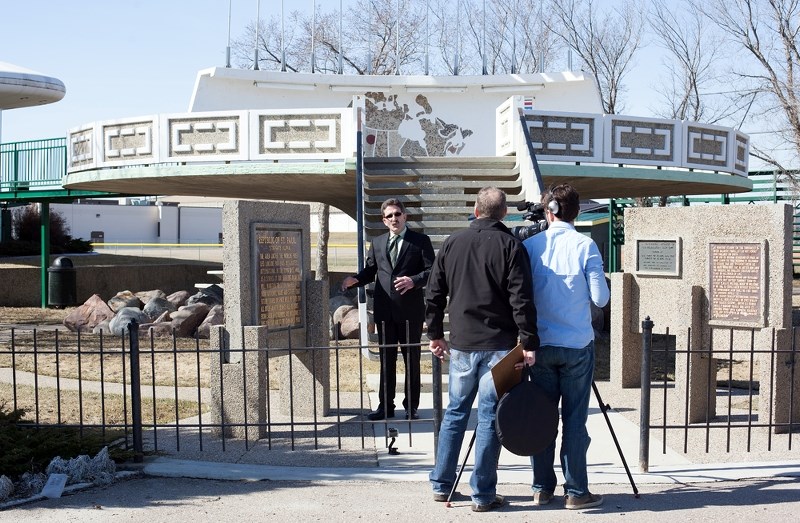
{"type": "Point", "coordinates": [211, 295]}
{"type": "Point", "coordinates": [158, 306]}
{"type": "Point", "coordinates": [216, 316]}
{"type": "Point", "coordinates": [349, 326]}
{"type": "Point", "coordinates": [146, 296]}
{"type": "Point", "coordinates": [87, 316]}
{"type": "Point", "coordinates": [179, 298]}
{"type": "Point", "coordinates": [119, 325]}
{"type": "Point", "coordinates": [186, 319]}
{"type": "Point", "coordinates": [124, 299]}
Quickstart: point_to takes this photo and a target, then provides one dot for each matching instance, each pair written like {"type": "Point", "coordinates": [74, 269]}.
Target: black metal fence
{"type": "Point", "coordinates": [161, 395]}
{"type": "Point", "coordinates": [739, 396]}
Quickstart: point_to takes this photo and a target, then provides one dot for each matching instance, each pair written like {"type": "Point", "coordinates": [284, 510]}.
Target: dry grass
{"type": "Point", "coordinates": [89, 408]}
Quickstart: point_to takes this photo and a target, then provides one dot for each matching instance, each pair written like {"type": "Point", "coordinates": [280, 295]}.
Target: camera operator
{"type": "Point", "coordinates": [567, 273]}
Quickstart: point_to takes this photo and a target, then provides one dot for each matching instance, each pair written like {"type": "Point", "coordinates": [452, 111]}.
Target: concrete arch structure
{"type": "Point", "coordinates": [292, 136]}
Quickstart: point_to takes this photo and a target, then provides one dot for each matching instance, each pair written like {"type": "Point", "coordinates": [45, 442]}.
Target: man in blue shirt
{"type": "Point", "coordinates": [567, 274]}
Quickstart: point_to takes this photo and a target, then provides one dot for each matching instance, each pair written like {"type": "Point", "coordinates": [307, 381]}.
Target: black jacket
{"type": "Point", "coordinates": [486, 272]}
{"type": "Point", "coordinates": [414, 260]}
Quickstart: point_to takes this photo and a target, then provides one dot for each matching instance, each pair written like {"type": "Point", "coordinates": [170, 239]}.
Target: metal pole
{"type": "Point", "coordinates": [258, 23]}
{"type": "Point", "coordinates": [283, 42]}
{"type": "Point", "coordinates": [644, 407]}
{"type": "Point", "coordinates": [436, 389]}
{"type": "Point", "coordinates": [44, 238]}
{"type": "Point", "coordinates": [228, 47]}
{"type": "Point", "coordinates": [313, 34]}
{"type": "Point", "coordinates": [340, 37]}
{"type": "Point", "coordinates": [136, 394]}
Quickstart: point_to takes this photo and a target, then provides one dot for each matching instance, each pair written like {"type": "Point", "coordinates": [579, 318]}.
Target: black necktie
{"type": "Point", "coordinates": [393, 249]}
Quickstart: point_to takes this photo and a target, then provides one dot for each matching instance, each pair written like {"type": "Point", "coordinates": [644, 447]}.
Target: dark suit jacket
{"type": "Point", "coordinates": [414, 260]}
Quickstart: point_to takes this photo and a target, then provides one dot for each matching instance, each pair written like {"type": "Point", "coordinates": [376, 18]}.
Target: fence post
{"type": "Point", "coordinates": [644, 407]}
{"type": "Point", "coordinates": [436, 389]}
{"type": "Point", "coordinates": [136, 393]}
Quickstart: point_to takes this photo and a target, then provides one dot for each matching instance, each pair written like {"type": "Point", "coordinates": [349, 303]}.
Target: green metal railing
{"type": "Point", "coordinates": [32, 164]}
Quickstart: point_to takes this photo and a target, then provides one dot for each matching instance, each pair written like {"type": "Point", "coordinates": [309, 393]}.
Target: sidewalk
{"type": "Point", "coordinates": [415, 460]}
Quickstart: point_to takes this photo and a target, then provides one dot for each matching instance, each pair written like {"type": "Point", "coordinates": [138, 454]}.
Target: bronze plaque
{"type": "Point", "coordinates": [736, 282]}
{"type": "Point", "coordinates": [278, 281]}
{"type": "Point", "coordinates": [660, 257]}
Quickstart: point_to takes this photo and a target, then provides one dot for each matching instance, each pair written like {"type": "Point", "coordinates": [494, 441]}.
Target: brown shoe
{"type": "Point", "coordinates": [498, 502]}
{"type": "Point", "coordinates": [588, 500]}
{"type": "Point", "coordinates": [542, 498]}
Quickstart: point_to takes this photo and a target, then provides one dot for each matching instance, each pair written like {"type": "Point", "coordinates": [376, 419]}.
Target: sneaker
{"type": "Point", "coordinates": [440, 497]}
{"type": "Point", "coordinates": [588, 500]}
{"type": "Point", "coordinates": [498, 502]}
{"type": "Point", "coordinates": [542, 497]}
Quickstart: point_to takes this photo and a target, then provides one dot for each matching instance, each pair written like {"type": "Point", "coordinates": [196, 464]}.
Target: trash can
{"type": "Point", "coordinates": [62, 287]}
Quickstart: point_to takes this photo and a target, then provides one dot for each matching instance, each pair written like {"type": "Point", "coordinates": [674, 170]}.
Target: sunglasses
{"type": "Point", "coordinates": [395, 214]}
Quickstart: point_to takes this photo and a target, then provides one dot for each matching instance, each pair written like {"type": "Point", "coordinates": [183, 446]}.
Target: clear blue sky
{"type": "Point", "coordinates": [119, 58]}
{"type": "Point", "coordinates": [136, 57]}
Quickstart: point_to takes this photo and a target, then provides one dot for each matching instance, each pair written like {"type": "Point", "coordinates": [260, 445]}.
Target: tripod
{"type": "Point", "coordinates": [603, 408]}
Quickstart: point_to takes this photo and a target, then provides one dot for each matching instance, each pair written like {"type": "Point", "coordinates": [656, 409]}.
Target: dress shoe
{"type": "Point", "coordinates": [379, 414]}
{"type": "Point", "coordinates": [412, 414]}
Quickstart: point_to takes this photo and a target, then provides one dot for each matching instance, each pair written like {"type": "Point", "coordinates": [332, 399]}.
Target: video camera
{"type": "Point", "coordinates": [535, 214]}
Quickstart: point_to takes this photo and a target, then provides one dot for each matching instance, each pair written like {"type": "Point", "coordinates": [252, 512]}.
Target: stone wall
{"type": "Point", "coordinates": [21, 287]}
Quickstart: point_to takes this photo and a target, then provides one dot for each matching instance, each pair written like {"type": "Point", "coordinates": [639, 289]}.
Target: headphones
{"type": "Point", "coordinates": [552, 204]}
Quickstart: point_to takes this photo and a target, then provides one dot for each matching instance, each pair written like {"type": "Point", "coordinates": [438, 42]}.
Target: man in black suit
{"type": "Point", "coordinates": [401, 259]}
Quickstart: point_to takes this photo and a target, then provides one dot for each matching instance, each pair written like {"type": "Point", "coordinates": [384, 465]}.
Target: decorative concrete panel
{"type": "Point", "coordinates": [706, 146]}
{"type": "Point", "coordinates": [643, 141]}
{"type": "Point", "coordinates": [288, 134]}
{"type": "Point", "coordinates": [81, 148]}
{"type": "Point", "coordinates": [740, 152]}
{"type": "Point", "coordinates": [127, 142]}
{"type": "Point", "coordinates": [206, 136]}
{"type": "Point", "coordinates": [566, 136]}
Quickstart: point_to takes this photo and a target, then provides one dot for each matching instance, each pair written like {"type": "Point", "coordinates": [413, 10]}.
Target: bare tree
{"type": "Point", "coordinates": [693, 51]}
{"type": "Point", "coordinates": [323, 218]}
{"type": "Point", "coordinates": [605, 40]}
{"type": "Point", "coordinates": [767, 30]}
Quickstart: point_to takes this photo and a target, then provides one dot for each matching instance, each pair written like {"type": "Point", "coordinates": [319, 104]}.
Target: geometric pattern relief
{"type": "Point", "coordinates": [706, 146]}
{"type": "Point", "coordinates": [642, 140]}
{"type": "Point", "coordinates": [561, 136]}
{"type": "Point", "coordinates": [204, 137]}
{"type": "Point", "coordinates": [295, 134]}
{"type": "Point", "coordinates": [80, 147]}
{"type": "Point", "coordinates": [127, 141]}
{"type": "Point", "coordinates": [742, 152]}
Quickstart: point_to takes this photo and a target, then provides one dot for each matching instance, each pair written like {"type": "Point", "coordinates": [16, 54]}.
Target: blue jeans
{"type": "Point", "coordinates": [565, 374]}
{"type": "Point", "coordinates": [469, 375]}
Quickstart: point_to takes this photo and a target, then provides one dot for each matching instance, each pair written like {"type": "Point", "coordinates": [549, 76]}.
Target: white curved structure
{"type": "Point", "coordinates": [20, 87]}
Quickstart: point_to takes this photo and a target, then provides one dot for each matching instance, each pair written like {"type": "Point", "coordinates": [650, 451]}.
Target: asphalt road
{"type": "Point", "coordinates": [195, 500]}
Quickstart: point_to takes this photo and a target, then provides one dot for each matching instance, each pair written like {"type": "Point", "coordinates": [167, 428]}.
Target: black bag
{"type": "Point", "coordinates": [527, 419]}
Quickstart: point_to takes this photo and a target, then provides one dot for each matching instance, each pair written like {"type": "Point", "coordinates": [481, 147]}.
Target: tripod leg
{"type": "Point", "coordinates": [603, 409]}
{"type": "Point", "coordinates": [461, 470]}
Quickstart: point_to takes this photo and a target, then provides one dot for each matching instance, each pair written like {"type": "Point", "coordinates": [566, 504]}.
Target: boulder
{"type": "Point", "coordinates": [164, 317]}
{"type": "Point", "coordinates": [87, 316]}
{"type": "Point", "coordinates": [157, 306]}
{"type": "Point", "coordinates": [186, 319]}
{"type": "Point", "coordinates": [178, 298]}
{"type": "Point", "coordinates": [103, 327]}
{"type": "Point", "coordinates": [146, 296]}
{"type": "Point", "coordinates": [339, 300]}
{"type": "Point", "coordinates": [161, 329]}
{"type": "Point", "coordinates": [124, 299]}
{"type": "Point", "coordinates": [216, 316]}
{"type": "Point", "coordinates": [211, 295]}
{"type": "Point", "coordinates": [349, 324]}
{"type": "Point", "coordinates": [119, 325]}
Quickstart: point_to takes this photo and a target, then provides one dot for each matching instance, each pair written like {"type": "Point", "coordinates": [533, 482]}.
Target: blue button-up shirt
{"type": "Point", "coordinates": [567, 273]}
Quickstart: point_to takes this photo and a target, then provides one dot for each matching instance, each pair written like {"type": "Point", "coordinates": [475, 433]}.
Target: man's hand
{"type": "Point", "coordinates": [528, 358]}
{"type": "Point", "coordinates": [439, 348]}
{"type": "Point", "coordinates": [348, 282]}
{"type": "Point", "coordinates": [403, 284]}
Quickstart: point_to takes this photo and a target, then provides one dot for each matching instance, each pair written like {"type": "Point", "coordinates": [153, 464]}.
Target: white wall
{"type": "Point", "coordinates": [178, 224]}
